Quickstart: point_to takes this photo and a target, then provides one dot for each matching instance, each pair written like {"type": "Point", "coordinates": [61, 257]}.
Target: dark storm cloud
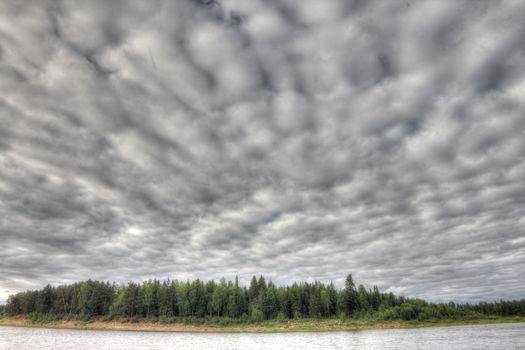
{"type": "Point", "coordinates": [301, 140]}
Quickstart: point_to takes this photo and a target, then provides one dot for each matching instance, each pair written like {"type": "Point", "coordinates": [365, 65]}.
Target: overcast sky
{"type": "Point", "coordinates": [302, 140]}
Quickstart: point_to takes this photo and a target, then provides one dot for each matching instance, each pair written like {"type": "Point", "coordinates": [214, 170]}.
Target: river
{"type": "Point", "coordinates": [495, 336]}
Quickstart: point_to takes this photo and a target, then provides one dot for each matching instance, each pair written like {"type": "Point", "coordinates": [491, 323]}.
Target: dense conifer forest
{"type": "Point", "coordinates": [173, 301]}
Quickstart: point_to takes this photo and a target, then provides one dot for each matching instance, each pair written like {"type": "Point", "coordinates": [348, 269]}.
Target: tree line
{"type": "Point", "coordinates": [261, 300]}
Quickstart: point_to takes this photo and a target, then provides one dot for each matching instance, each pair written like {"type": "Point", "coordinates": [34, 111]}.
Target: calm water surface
{"type": "Point", "coordinates": [501, 336]}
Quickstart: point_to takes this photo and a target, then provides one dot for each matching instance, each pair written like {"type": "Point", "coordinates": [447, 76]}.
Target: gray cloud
{"type": "Point", "coordinates": [301, 140]}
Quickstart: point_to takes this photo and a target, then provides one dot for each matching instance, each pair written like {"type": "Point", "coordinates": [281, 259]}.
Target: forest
{"type": "Point", "coordinates": [173, 301]}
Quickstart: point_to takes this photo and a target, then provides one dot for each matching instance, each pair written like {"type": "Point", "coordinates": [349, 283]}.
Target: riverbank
{"type": "Point", "coordinates": [302, 325]}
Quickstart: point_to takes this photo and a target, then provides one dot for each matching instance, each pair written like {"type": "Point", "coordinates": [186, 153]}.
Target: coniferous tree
{"type": "Point", "coordinates": [314, 302]}
{"type": "Point", "coordinates": [253, 291]}
{"type": "Point", "coordinates": [260, 301]}
{"type": "Point", "coordinates": [270, 303]}
{"type": "Point", "coordinates": [332, 300]}
{"type": "Point", "coordinates": [349, 297]}
{"type": "Point", "coordinates": [363, 299]}
{"type": "Point", "coordinates": [295, 300]}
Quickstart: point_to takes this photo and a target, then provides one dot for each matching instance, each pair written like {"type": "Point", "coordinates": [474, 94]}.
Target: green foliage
{"type": "Point", "coordinates": [95, 298]}
{"type": "Point", "coordinates": [253, 291]}
{"type": "Point", "coordinates": [226, 302]}
{"type": "Point", "coordinates": [281, 317]}
{"type": "Point", "coordinates": [349, 299]}
{"type": "Point", "coordinates": [167, 320]}
{"type": "Point", "coordinates": [256, 315]}
{"type": "Point", "coordinates": [148, 293]}
{"type": "Point", "coordinates": [44, 318]}
{"type": "Point", "coordinates": [85, 299]}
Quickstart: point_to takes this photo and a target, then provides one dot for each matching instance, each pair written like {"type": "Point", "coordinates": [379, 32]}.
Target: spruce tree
{"type": "Point", "coordinates": [350, 297]}
{"type": "Point", "coordinates": [253, 291]}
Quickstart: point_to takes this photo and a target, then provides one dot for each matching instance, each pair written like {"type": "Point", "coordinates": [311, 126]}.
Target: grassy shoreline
{"type": "Point", "coordinates": [302, 325]}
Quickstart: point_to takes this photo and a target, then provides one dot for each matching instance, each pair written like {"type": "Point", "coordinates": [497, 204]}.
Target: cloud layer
{"type": "Point", "coordinates": [297, 139]}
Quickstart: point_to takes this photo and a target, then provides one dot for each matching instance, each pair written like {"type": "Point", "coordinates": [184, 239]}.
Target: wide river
{"type": "Point", "coordinates": [499, 336]}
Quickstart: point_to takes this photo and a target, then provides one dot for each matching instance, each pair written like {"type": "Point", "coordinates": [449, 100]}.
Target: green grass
{"type": "Point", "coordinates": [317, 325]}
{"type": "Point", "coordinates": [232, 325]}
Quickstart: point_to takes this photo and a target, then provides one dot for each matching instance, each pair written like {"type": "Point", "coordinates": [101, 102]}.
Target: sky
{"type": "Point", "coordinates": [301, 140]}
